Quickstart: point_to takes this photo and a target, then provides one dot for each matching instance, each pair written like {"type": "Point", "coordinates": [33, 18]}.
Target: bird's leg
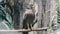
{"type": "Point", "coordinates": [31, 26]}
{"type": "Point", "coordinates": [28, 26]}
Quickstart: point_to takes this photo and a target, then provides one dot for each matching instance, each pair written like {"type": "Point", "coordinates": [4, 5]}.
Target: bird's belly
{"type": "Point", "coordinates": [30, 19]}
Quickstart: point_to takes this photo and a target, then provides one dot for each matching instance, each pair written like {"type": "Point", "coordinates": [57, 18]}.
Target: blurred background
{"type": "Point", "coordinates": [47, 13]}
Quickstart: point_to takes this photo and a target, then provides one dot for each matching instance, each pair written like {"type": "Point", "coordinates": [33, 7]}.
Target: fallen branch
{"type": "Point", "coordinates": [27, 30]}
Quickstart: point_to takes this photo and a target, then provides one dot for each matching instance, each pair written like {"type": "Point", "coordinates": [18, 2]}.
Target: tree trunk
{"type": "Point", "coordinates": [39, 15]}
{"type": "Point", "coordinates": [16, 15]}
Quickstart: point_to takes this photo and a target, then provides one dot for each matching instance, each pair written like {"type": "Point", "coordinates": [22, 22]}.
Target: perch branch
{"type": "Point", "coordinates": [27, 30]}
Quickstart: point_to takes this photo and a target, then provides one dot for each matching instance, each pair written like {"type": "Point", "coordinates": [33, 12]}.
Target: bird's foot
{"type": "Point", "coordinates": [30, 28]}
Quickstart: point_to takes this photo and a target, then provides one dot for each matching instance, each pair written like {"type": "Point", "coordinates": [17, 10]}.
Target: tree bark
{"type": "Point", "coordinates": [16, 16]}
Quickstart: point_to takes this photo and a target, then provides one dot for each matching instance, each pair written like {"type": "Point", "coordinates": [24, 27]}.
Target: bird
{"type": "Point", "coordinates": [29, 17]}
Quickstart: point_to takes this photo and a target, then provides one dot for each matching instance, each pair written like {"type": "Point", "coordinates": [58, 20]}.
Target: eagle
{"type": "Point", "coordinates": [30, 17]}
{"type": "Point", "coordinates": [28, 20]}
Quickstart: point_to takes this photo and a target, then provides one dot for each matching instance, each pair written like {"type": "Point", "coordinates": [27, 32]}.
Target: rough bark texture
{"type": "Point", "coordinates": [39, 15]}
{"type": "Point", "coordinates": [16, 15]}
